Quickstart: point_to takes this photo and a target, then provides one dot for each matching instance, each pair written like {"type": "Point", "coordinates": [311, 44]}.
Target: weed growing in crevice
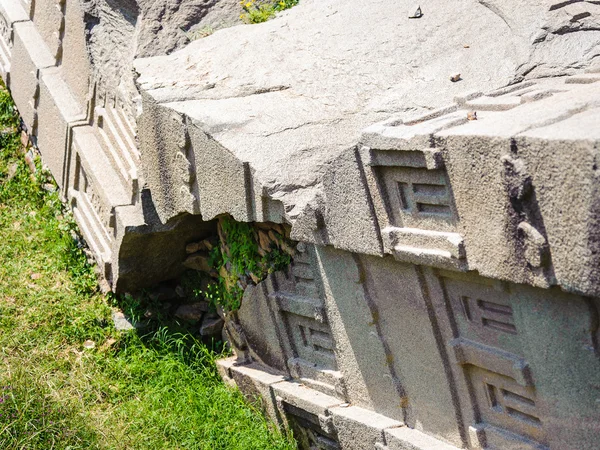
{"type": "Point", "coordinates": [245, 255]}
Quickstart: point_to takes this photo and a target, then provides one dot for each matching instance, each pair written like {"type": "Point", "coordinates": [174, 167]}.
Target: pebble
{"type": "Point", "coordinates": [198, 261]}
{"type": "Point", "coordinates": [417, 13]}
{"type": "Point", "coordinates": [454, 78]}
{"type": "Point", "coordinates": [472, 115]}
{"type": "Point", "coordinates": [192, 248]}
{"type": "Point", "coordinates": [192, 312]}
{"type": "Point", "coordinates": [211, 326]}
{"type": "Point", "coordinates": [24, 139]}
{"type": "Point", "coordinates": [12, 171]}
{"type": "Point", "coordinates": [121, 322]}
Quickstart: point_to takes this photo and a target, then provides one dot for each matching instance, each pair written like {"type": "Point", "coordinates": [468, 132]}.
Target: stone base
{"type": "Point", "coordinates": [319, 420]}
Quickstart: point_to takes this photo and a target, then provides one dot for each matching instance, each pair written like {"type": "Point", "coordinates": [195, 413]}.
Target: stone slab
{"type": "Point", "coordinates": [358, 77]}
{"type": "Point", "coordinates": [361, 354]}
{"type": "Point", "coordinates": [58, 112]}
{"type": "Point", "coordinates": [11, 11]}
{"type": "Point", "coordinates": [255, 381]}
{"type": "Point", "coordinates": [29, 56]}
{"type": "Point", "coordinates": [360, 429]}
{"type": "Point", "coordinates": [404, 438]}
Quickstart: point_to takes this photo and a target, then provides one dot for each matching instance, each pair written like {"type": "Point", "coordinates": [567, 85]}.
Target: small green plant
{"type": "Point", "coordinates": [257, 11]}
{"type": "Point", "coordinates": [200, 32]}
{"type": "Point", "coordinates": [239, 260]}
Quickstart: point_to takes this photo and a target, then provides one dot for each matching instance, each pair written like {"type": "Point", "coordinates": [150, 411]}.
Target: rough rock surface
{"type": "Point", "coordinates": [445, 289]}
{"type": "Point", "coordinates": [120, 31]}
{"type": "Point", "coordinates": [320, 81]}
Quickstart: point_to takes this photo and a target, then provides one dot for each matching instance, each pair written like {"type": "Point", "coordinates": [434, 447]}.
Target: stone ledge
{"type": "Point", "coordinates": [353, 427]}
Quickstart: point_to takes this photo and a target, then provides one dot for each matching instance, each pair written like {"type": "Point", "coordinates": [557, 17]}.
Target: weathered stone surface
{"type": "Point", "coordinates": [321, 108]}
{"type": "Point", "coordinates": [121, 322]}
{"type": "Point", "coordinates": [359, 428]}
{"type": "Point", "coordinates": [445, 289]}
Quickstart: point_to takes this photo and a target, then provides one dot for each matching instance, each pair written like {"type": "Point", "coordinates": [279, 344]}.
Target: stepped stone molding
{"type": "Point", "coordinates": [87, 135]}
{"type": "Point", "coordinates": [445, 292]}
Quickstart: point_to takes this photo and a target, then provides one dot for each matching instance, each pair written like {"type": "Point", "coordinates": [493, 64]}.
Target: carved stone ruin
{"type": "Point", "coordinates": [446, 288]}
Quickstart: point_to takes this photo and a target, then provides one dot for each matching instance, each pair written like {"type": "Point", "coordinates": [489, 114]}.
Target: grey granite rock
{"type": "Point", "coordinates": [444, 292]}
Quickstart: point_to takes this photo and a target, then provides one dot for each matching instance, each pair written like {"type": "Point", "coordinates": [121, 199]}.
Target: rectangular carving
{"type": "Point", "coordinates": [483, 313]}
{"type": "Point", "coordinates": [302, 306]}
{"type": "Point", "coordinates": [312, 341]}
{"type": "Point", "coordinates": [489, 314]}
{"type": "Point", "coordinates": [5, 42]}
{"type": "Point", "coordinates": [310, 345]}
{"type": "Point", "coordinates": [503, 403]}
{"type": "Point", "coordinates": [473, 353]}
{"type": "Point", "coordinates": [417, 197]}
{"type": "Point", "coordinates": [100, 199]}
{"type": "Point", "coordinates": [88, 211]}
{"type": "Point", "coordinates": [487, 348]}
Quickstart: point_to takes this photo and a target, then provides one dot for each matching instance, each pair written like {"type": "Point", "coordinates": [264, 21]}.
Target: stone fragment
{"type": "Point", "coordinates": [535, 244]}
{"type": "Point", "coordinates": [24, 139]}
{"type": "Point", "coordinates": [30, 161]}
{"type": "Point", "coordinates": [12, 171]}
{"type": "Point", "coordinates": [198, 261]}
{"type": "Point", "coordinates": [180, 291]}
{"type": "Point", "coordinates": [192, 247]}
{"type": "Point", "coordinates": [212, 325]}
{"type": "Point", "coordinates": [472, 115]}
{"type": "Point", "coordinates": [455, 77]}
{"type": "Point", "coordinates": [192, 312]}
{"type": "Point", "coordinates": [273, 236]}
{"type": "Point", "coordinates": [415, 13]}
{"type": "Point", "coordinates": [121, 322]}
{"type": "Point", "coordinates": [263, 241]}
{"type": "Point", "coordinates": [205, 245]}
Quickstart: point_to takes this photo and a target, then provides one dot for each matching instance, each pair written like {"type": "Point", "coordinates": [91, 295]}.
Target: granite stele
{"type": "Point", "coordinates": [437, 167]}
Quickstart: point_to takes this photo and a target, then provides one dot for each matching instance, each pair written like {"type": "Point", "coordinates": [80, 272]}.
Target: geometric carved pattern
{"type": "Point", "coordinates": [310, 342]}
{"type": "Point", "coordinates": [311, 337]}
{"type": "Point", "coordinates": [488, 351]}
{"type": "Point", "coordinates": [503, 403]}
{"type": "Point", "coordinates": [88, 212]}
{"type": "Point", "coordinates": [489, 314]}
{"type": "Point", "coordinates": [483, 314]}
{"type": "Point", "coordinates": [417, 196]}
{"type": "Point", "coordinates": [5, 44]}
{"type": "Point", "coordinates": [117, 132]}
{"type": "Point", "coordinates": [418, 222]}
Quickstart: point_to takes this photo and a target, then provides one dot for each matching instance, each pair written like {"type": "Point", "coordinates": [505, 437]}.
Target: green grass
{"type": "Point", "coordinates": [153, 390]}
